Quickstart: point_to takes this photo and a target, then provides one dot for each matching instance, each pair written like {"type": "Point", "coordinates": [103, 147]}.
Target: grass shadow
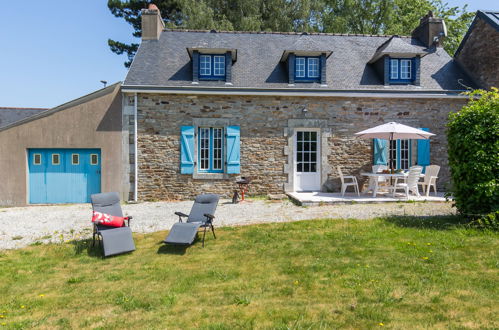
{"type": "Point", "coordinates": [428, 222]}
{"type": "Point", "coordinates": [172, 249]}
{"type": "Point", "coordinates": [85, 245]}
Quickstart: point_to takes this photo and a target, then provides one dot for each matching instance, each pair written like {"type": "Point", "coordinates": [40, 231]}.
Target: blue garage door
{"type": "Point", "coordinates": [63, 175]}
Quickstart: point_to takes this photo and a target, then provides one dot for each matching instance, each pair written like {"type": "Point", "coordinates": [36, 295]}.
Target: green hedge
{"type": "Point", "coordinates": [473, 136]}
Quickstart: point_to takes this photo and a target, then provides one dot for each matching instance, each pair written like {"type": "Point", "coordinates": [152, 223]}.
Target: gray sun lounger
{"type": "Point", "coordinates": [201, 215]}
{"type": "Point", "coordinates": [114, 240]}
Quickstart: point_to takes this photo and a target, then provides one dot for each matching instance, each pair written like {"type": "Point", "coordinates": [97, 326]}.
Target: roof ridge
{"type": "Point", "coordinates": [16, 108]}
{"type": "Point", "coordinates": [285, 33]}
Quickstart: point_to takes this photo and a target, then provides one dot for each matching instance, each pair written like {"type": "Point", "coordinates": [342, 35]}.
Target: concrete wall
{"type": "Point", "coordinates": [479, 56]}
{"type": "Point", "coordinates": [93, 121]}
{"type": "Point", "coordinates": [267, 125]}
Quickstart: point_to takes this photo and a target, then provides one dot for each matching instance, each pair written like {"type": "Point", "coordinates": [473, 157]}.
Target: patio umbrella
{"type": "Point", "coordinates": [394, 131]}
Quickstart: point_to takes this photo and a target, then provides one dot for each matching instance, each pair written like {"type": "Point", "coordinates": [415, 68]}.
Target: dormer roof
{"type": "Point", "coordinates": [305, 45]}
{"type": "Point", "coordinates": [396, 47]}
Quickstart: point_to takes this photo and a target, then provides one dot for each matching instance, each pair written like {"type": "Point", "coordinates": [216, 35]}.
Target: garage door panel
{"type": "Point", "coordinates": [64, 175]}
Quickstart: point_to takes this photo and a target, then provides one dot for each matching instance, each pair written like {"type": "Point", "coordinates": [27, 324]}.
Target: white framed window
{"type": "Point", "coordinates": [94, 159]}
{"type": "Point", "coordinates": [394, 69]}
{"type": "Point", "coordinates": [37, 159]}
{"type": "Point", "coordinates": [204, 149]}
{"type": "Point", "coordinates": [404, 154]}
{"type": "Point", "coordinates": [306, 151]}
{"type": "Point", "coordinates": [205, 65]}
{"type": "Point", "coordinates": [405, 69]}
{"type": "Point", "coordinates": [56, 159]}
{"type": "Point", "coordinates": [75, 159]}
{"type": "Point", "coordinates": [300, 67]}
{"type": "Point", "coordinates": [217, 148]}
{"type": "Point", "coordinates": [393, 154]}
{"type": "Point", "coordinates": [313, 67]}
{"type": "Point", "coordinates": [219, 65]}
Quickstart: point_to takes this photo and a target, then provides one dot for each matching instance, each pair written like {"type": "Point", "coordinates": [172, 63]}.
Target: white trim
{"type": "Point", "coordinates": [34, 158]}
{"type": "Point", "coordinates": [97, 157]}
{"type": "Point", "coordinates": [201, 63]}
{"type": "Point", "coordinates": [222, 69]}
{"type": "Point", "coordinates": [382, 93]}
{"type": "Point", "coordinates": [313, 59]}
{"type": "Point", "coordinates": [58, 159]}
{"type": "Point", "coordinates": [72, 159]}
{"type": "Point", "coordinates": [304, 67]}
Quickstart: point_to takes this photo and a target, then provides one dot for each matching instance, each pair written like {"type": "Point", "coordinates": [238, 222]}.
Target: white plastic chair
{"type": "Point", "coordinates": [411, 183]}
{"type": "Point", "coordinates": [380, 168]}
{"type": "Point", "coordinates": [430, 179]}
{"type": "Point", "coordinates": [345, 185]}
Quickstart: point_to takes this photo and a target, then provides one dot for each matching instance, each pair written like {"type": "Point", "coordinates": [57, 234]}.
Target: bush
{"type": "Point", "coordinates": [489, 221]}
{"type": "Point", "coordinates": [473, 135]}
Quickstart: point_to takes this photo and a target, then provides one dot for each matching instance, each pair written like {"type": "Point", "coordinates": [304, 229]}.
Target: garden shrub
{"type": "Point", "coordinates": [473, 136]}
{"type": "Point", "coordinates": [488, 221]}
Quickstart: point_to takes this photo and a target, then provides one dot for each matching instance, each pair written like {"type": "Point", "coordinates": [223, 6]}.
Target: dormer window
{"type": "Point", "coordinates": [401, 70]}
{"type": "Point", "coordinates": [307, 69]}
{"type": "Point", "coordinates": [211, 67]}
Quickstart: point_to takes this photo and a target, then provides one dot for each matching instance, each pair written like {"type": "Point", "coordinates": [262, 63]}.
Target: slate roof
{"type": "Point", "coordinates": [396, 46]}
{"type": "Point", "coordinates": [11, 115]}
{"type": "Point", "coordinates": [166, 62]}
{"type": "Point", "coordinates": [489, 16]}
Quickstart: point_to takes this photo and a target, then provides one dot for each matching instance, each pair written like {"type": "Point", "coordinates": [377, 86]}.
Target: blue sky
{"type": "Point", "coordinates": [56, 50]}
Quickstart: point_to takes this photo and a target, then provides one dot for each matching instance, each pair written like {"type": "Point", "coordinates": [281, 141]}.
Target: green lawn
{"type": "Point", "coordinates": [393, 273]}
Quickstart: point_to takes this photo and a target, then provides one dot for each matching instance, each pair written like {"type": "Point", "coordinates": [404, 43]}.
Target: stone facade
{"type": "Point", "coordinates": [479, 54]}
{"type": "Point", "coordinates": [267, 125]}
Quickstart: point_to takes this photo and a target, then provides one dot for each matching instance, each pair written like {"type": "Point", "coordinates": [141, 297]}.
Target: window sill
{"type": "Point", "coordinates": [211, 176]}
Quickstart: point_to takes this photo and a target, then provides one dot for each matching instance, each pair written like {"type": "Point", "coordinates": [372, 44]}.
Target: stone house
{"type": "Point", "coordinates": [478, 53]}
{"type": "Point", "coordinates": [205, 107]}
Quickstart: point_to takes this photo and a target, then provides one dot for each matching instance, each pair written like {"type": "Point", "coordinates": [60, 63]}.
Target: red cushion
{"type": "Point", "coordinates": [107, 220]}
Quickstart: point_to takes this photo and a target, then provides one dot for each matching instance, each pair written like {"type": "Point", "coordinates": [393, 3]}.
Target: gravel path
{"type": "Point", "coordinates": [21, 226]}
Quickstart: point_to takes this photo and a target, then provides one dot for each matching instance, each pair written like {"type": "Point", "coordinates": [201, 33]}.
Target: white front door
{"type": "Point", "coordinates": [307, 160]}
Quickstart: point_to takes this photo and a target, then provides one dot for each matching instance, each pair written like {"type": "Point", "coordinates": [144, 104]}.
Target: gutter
{"type": "Point", "coordinates": [368, 93]}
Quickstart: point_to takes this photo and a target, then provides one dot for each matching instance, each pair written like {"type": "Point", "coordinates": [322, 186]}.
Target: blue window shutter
{"type": "Point", "coordinates": [380, 151]}
{"type": "Point", "coordinates": [187, 150]}
{"type": "Point", "coordinates": [233, 150]}
{"type": "Point", "coordinates": [424, 151]}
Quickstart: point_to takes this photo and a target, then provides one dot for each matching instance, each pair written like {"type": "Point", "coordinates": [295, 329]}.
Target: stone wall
{"type": "Point", "coordinates": [479, 55]}
{"type": "Point", "coordinates": [265, 142]}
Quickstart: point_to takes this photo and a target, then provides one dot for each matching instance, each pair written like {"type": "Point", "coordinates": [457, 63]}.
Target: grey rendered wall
{"type": "Point", "coordinates": [93, 121]}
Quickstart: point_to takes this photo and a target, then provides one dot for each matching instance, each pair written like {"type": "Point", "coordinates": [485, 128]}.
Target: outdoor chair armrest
{"type": "Point", "coordinates": [210, 217]}
{"type": "Point", "coordinates": [128, 218]}
{"type": "Point", "coordinates": [180, 215]}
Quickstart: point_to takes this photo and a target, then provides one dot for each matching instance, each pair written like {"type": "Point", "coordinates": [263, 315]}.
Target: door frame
{"type": "Point", "coordinates": [318, 159]}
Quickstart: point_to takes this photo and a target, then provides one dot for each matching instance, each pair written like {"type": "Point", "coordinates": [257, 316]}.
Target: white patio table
{"type": "Point", "coordinates": [373, 179]}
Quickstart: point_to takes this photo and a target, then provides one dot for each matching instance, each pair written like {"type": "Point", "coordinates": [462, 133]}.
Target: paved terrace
{"type": "Point", "coordinates": [321, 198]}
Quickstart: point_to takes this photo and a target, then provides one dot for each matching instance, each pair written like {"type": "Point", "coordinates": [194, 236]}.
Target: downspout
{"type": "Point", "coordinates": [135, 139]}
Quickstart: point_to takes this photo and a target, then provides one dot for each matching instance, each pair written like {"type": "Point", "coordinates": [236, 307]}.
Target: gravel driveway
{"type": "Point", "coordinates": [21, 226]}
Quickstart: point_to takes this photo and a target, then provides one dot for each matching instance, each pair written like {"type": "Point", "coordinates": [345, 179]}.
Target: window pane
{"type": "Point", "coordinates": [394, 69]}
{"type": "Point", "coordinates": [75, 159]}
{"type": "Point", "coordinates": [306, 157]}
{"type": "Point", "coordinates": [405, 69]}
{"type": "Point", "coordinates": [56, 159]}
{"type": "Point", "coordinates": [217, 148]}
{"type": "Point", "coordinates": [299, 157]}
{"type": "Point", "coordinates": [299, 167]}
{"type": "Point", "coordinates": [306, 167]}
{"type": "Point", "coordinates": [37, 159]}
{"type": "Point", "coordinates": [205, 65]}
{"type": "Point", "coordinates": [300, 67]}
{"type": "Point", "coordinates": [313, 157]}
{"type": "Point", "coordinates": [313, 136]}
{"type": "Point", "coordinates": [204, 148]}
{"type": "Point", "coordinates": [299, 136]}
{"type": "Point", "coordinates": [313, 67]}
{"type": "Point", "coordinates": [94, 159]}
{"type": "Point", "coordinates": [313, 167]}
{"type": "Point", "coordinates": [306, 136]}
{"type": "Point", "coordinates": [219, 65]}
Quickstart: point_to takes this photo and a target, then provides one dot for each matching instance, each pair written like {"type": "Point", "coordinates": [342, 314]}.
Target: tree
{"type": "Point", "coordinates": [337, 16]}
{"type": "Point", "coordinates": [130, 12]}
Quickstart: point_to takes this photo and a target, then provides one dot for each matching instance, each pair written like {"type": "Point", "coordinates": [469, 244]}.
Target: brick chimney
{"type": "Point", "coordinates": [431, 30]}
{"type": "Point", "coordinates": [152, 23]}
